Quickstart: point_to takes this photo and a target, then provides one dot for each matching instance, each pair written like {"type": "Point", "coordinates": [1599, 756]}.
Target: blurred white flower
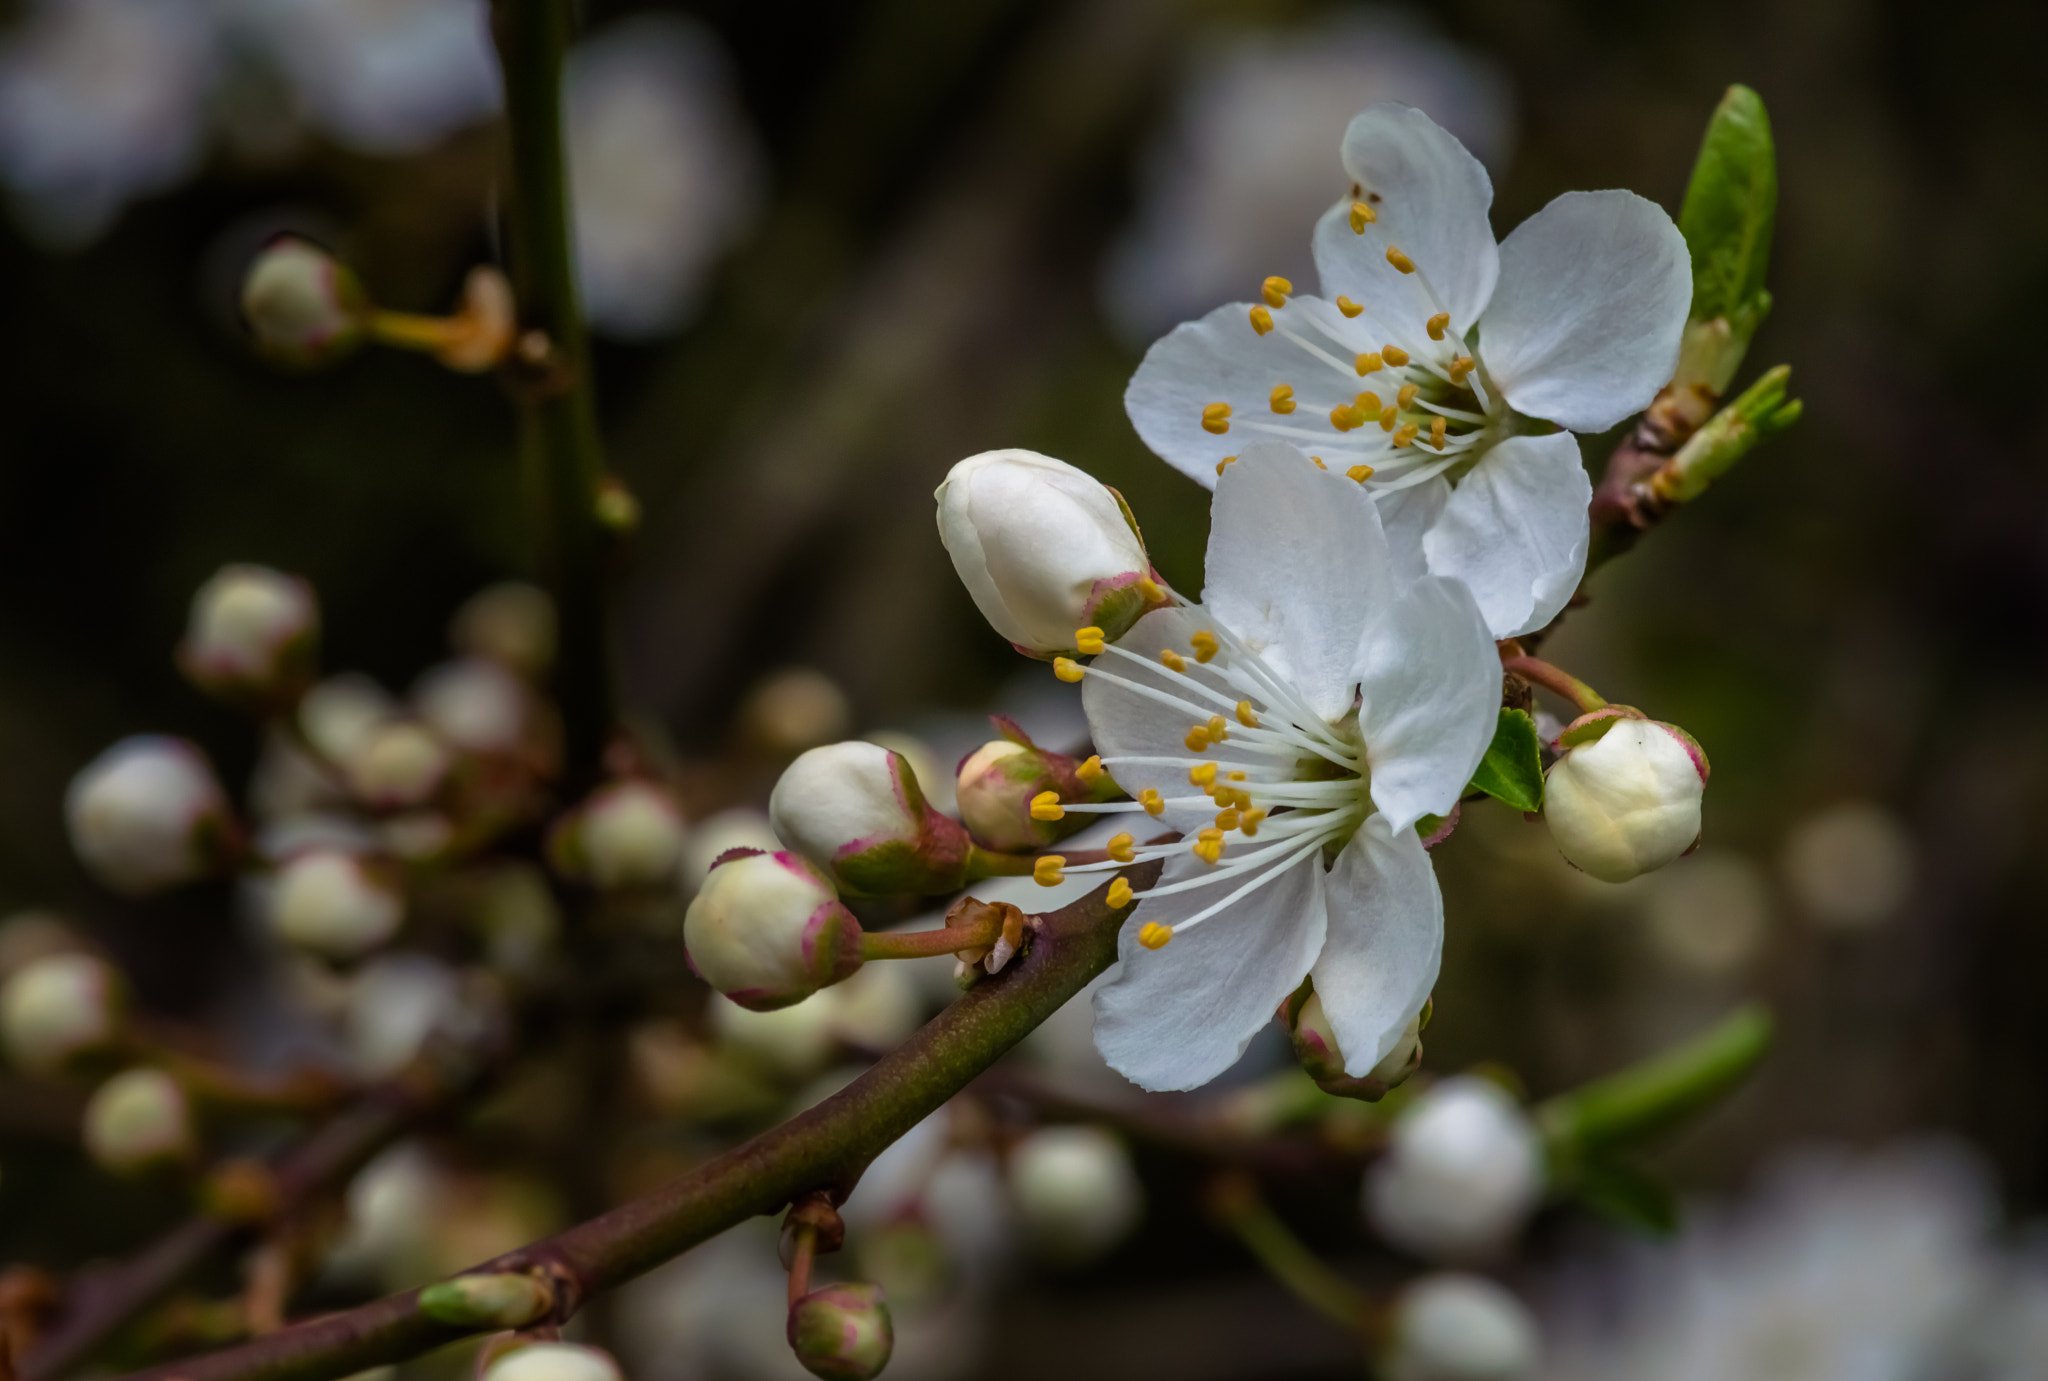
{"type": "Point", "coordinates": [476, 705]}
{"type": "Point", "coordinates": [1456, 1327]}
{"type": "Point", "coordinates": [381, 76]}
{"type": "Point", "coordinates": [1850, 865]}
{"type": "Point", "coordinates": [1250, 155]}
{"type": "Point", "coordinates": [334, 902]}
{"type": "Point", "coordinates": [1462, 1172]}
{"type": "Point", "coordinates": [101, 101]}
{"type": "Point", "coordinates": [1076, 1192]}
{"type": "Point", "coordinates": [138, 1119]}
{"type": "Point", "coordinates": [664, 172]}
{"type": "Point", "coordinates": [148, 814]}
{"type": "Point", "coordinates": [396, 1004]}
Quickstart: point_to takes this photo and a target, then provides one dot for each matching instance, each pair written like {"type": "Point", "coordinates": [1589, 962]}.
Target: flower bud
{"type": "Point", "coordinates": [339, 716]}
{"type": "Point", "coordinates": [474, 705]}
{"type": "Point", "coordinates": [137, 1120]}
{"type": "Point", "coordinates": [1628, 802]}
{"type": "Point", "coordinates": [304, 307]}
{"type": "Point", "coordinates": [855, 809]}
{"type": "Point", "coordinates": [999, 782]}
{"type": "Point", "coordinates": [768, 930]}
{"type": "Point", "coordinates": [148, 814]}
{"type": "Point", "coordinates": [553, 1362]}
{"type": "Point", "coordinates": [399, 764]}
{"type": "Point", "coordinates": [1044, 549]}
{"type": "Point", "coordinates": [842, 1332]}
{"type": "Point", "coordinates": [1456, 1327]}
{"type": "Point", "coordinates": [57, 1008]}
{"type": "Point", "coordinates": [510, 623]}
{"type": "Point", "coordinates": [334, 902]}
{"type": "Point", "coordinates": [1463, 1170]}
{"type": "Point", "coordinates": [1076, 1193]}
{"type": "Point", "coordinates": [252, 636]}
{"type": "Point", "coordinates": [1315, 1047]}
{"type": "Point", "coordinates": [626, 835]}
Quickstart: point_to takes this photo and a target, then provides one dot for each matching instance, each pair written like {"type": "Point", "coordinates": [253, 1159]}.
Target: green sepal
{"type": "Point", "coordinates": [1730, 207]}
{"type": "Point", "coordinates": [1512, 770]}
{"type": "Point", "coordinates": [1629, 1196]}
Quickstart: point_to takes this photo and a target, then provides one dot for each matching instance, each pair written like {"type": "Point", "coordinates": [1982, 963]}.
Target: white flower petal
{"type": "Point", "coordinates": [1584, 328]}
{"type": "Point", "coordinates": [1430, 683]}
{"type": "Point", "coordinates": [1408, 515]}
{"type": "Point", "coordinates": [1297, 561]}
{"type": "Point", "coordinates": [1178, 1016]}
{"type": "Point", "coordinates": [1431, 197]}
{"type": "Point", "coordinates": [1385, 942]}
{"type": "Point", "coordinates": [1515, 531]}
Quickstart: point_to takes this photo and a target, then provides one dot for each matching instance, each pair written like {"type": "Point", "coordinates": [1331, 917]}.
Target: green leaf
{"type": "Point", "coordinates": [1631, 1197]}
{"type": "Point", "coordinates": [1512, 770]}
{"type": "Point", "coordinates": [1729, 209]}
{"type": "Point", "coordinates": [1655, 1095]}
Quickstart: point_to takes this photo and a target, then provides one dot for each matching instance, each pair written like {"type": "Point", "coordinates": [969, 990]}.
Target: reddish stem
{"type": "Point", "coordinates": [1559, 683]}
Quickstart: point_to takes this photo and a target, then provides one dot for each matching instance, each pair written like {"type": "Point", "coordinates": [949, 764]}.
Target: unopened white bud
{"type": "Point", "coordinates": [399, 764]}
{"type": "Point", "coordinates": [627, 835]}
{"type": "Point", "coordinates": [1076, 1193]}
{"type": "Point", "coordinates": [57, 1008]}
{"type": "Point", "coordinates": [1044, 549]}
{"type": "Point", "coordinates": [148, 814]}
{"type": "Point", "coordinates": [768, 930]}
{"type": "Point", "coordinates": [512, 624]}
{"type": "Point", "coordinates": [554, 1362]}
{"type": "Point", "coordinates": [1462, 1172]}
{"type": "Point", "coordinates": [333, 902]}
{"type": "Point", "coordinates": [1315, 1047]}
{"type": "Point", "coordinates": [303, 306]}
{"type": "Point", "coordinates": [1456, 1327]}
{"type": "Point", "coordinates": [1628, 802]}
{"type": "Point", "coordinates": [139, 1119]}
{"type": "Point", "coordinates": [252, 636]}
{"type": "Point", "coordinates": [855, 809]}
{"type": "Point", "coordinates": [475, 705]}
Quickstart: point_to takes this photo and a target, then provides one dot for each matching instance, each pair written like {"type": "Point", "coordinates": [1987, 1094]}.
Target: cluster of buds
{"type": "Point", "coordinates": [1624, 796]}
{"type": "Point", "coordinates": [1315, 1048]}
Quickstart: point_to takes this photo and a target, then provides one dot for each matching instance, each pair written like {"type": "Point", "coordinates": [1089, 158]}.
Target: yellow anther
{"type": "Point", "coordinates": [1406, 397]}
{"type": "Point", "coordinates": [1237, 776]}
{"type": "Point", "coordinates": [1248, 821]}
{"type": "Point", "coordinates": [1262, 320]}
{"type": "Point", "coordinates": [1123, 847]}
{"type": "Point", "coordinates": [1459, 368]}
{"type": "Point", "coordinates": [1227, 819]}
{"type": "Point", "coordinates": [1361, 217]}
{"type": "Point", "coordinates": [1250, 721]}
{"type": "Point", "coordinates": [1046, 806]}
{"type": "Point", "coordinates": [1348, 307]}
{"type": "Point", "coordinates": [1436, 432]}
{"type": "Point", "coordinates": [1202, 775]}
{"type": "Point", "coordinates": [1274, 290]}
{"type": "Point", "coordinates": [1400, 260]}
{"type": "Point", "coordinates": [1088, 641]}
{"type": "Point", "coordinates": [1119, 894]}
{"type": "Point", "coordinates": [1091, 769]}
{"type": "Point", "coordinates": [1405, 436]}
{"type": "Point", "coordinates": [1224, 463]}
{"type": "Point", "coordinates": [1172, 660]}
{"type": "Point", "coordinates": [1153, 935]}
{"type": "Point", "coordinates": [1149, 591]}
{"type": "Point", "coordinates": [1344, 417]}
{"type": "Point", "coordinates": [1046, 871]}
{"type": "Point", "coordinates": [1367, 403]}
{"type": "Point", "coordinates": [1390, 417]}
{"type": "Point", "coordinates": [1361, 473]}
{"type": "Point", "coordinates": [1241, 799]}
{"type": "Point", "coordinates": [1210, 851]}
{"type": "Point", "coordinates": [1392, 354]}
{"type": "Point", "coordinates": [1368, 362]}
{"type": "Point", "coordinates": [1197, 740]}
{"type": "Point", "coordinates": [1319, 462]}
{"type": "Point", "coordinates": [1152, 801]}
{"type": "Point", "coordinates": [1205, 644]}
{"type": "Point", "coordinates": [1067, 669]}
{"type": "Point", "coordinates": [1281, 398]}
{"type": "Point", "coordinates": [1218, 730]}
{"type": "Point", "coordinates": [1216, 418]}
{"type": "Point", "coordinates": [1436, 324]}
{"type": "Point", "coordinates": [1212, 832]}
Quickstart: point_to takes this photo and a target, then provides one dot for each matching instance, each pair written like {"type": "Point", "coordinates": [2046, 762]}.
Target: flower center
{"type": "Point", "coordinates": [1284, 783]}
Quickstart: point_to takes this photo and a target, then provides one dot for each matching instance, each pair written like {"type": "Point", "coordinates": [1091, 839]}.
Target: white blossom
{"type": "Point", "coordinates": [1462, 1172]}
{"type": "Point", "coordinates": [148, 814]}
{"type": "Point", "coordinates": [1456, 1327]}
{"type": "Point", "coordinates": [553, 1362]}
{"type": "Point", "coordinates": [1076, 1192]}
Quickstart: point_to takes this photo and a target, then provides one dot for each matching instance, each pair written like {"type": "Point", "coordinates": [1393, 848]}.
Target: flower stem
{"type": "Point", "coordinates": [988, 863]}
{"type": "Point", "coordinates": [800, 1262]}
{"type": "Point", "coordinates": [1560, 683]}
{"type": "Point", "coordinates": [978, 933]}
{"type": "Point", "coordinates": [1235, 1202]}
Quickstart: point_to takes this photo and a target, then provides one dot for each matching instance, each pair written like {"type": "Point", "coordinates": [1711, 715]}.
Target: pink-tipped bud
{"type": "Point", "coordinates": [139, 1120]}
{"type": "Point", "coordinates": [304, 307]}
{"type": "Point", "coordinates": [252, 637]}
{"type": "Point", "coordinates": [855, 809]}
{"type": "Point", "coordinates": [626, 836]}
{"type": "Point", "coordinates": [1315, 1047]}
{"type": "Point", "coordinates": [999, 782]}
{"type": "Point", "coordinates": [149, 814]}
{"type": "Point", "coordinates": [59, 1008]}
{"type": "Point", "coordinates": [1626, 802]}
{"type": "Point", "coordinates": [768, 930]}
{"type": "Point", "coordinates": [842, 1332]}
{"type": "Point", "coordinates": [335, 902]}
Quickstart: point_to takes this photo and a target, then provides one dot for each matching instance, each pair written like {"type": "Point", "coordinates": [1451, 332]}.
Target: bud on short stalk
{"type": "Point", "coordinates": [252, 637]}
{"type": "Point", "coordinates": [1044, 549]}
{"type": "Point", "coordinates": [768, 930]}
{"type": "Point", "coordinates": [855, 809]}
{"type": "Point", "coordinates": [139, 1120]}
{"type": "Point", "coordinates": [335, 902]}
{"type": "Point", "coordinates": [553, 1362]}
{"type": "Point", "coordinates": [1463, 1171]}
{"type": "Point", "coordinates": [1623, 799]}
{"type": "Point", "coordinates": [628, 835]}
{"type": "Point", "coordinates": [1456, 1327]}
{"type": "Point", "coordinates": [842, 1332]}
{"type": "Point", "coordinates": [149, 814]}
{"type": "Point", "coordinates": [304, 307]}
{"type": "Point", "coordinates": [58, 1008]}
{"type": "Point", "coordinates": [1002, 788]}
{"type": "Point", "coordinates": [1315, 1047]}
{"type": "Point", "coordinates": [1076, 1193]}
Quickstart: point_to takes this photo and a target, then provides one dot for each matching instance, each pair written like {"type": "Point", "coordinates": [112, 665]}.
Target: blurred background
{"type": "Point", "coordinates": [829, 250]}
